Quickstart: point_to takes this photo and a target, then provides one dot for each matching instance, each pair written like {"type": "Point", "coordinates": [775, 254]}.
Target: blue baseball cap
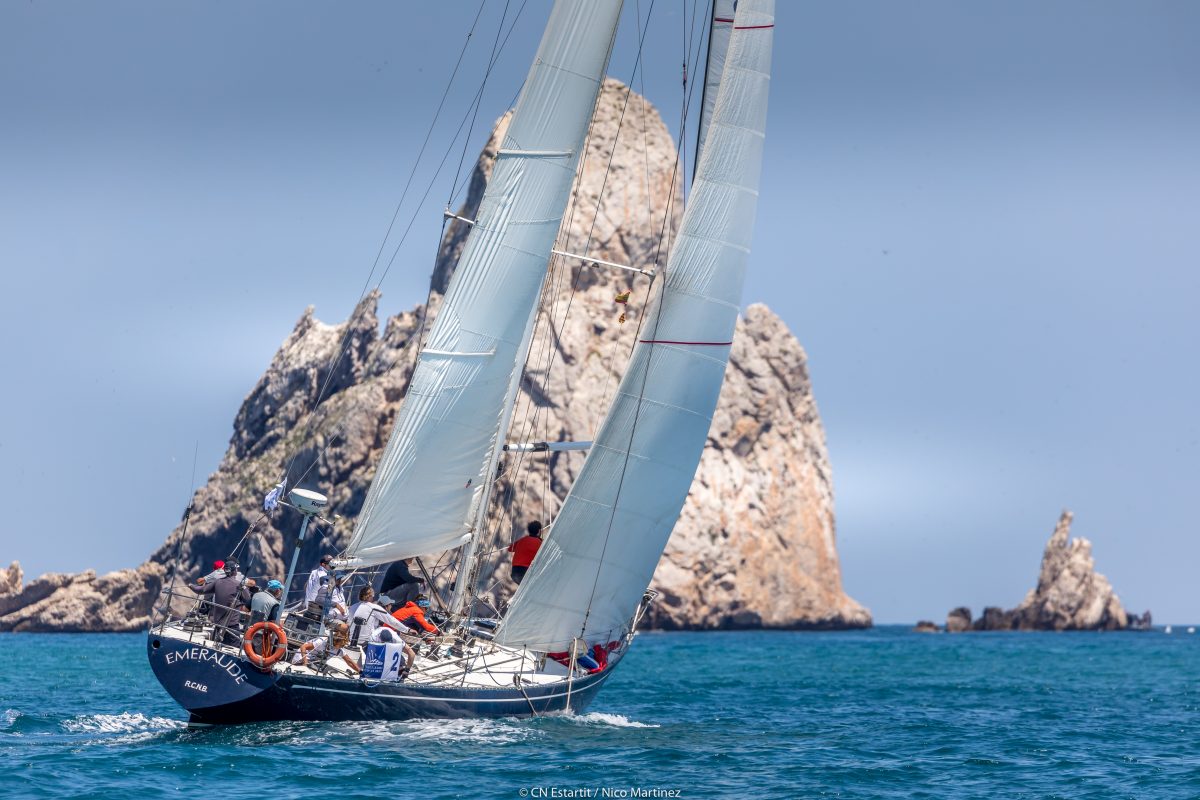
{"type": "Point", "coordinates": [274, 584]}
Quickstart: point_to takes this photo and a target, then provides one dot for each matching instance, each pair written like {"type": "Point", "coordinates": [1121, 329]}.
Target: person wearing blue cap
{"type": "Point", "coordinates": [264, 606]}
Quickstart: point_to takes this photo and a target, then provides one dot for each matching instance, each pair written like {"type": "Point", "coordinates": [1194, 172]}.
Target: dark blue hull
{"type": "Point", "coordinates": [217, 688]}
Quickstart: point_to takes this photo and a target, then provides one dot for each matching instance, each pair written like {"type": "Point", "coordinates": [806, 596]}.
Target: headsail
{"type": "Point", "coordinates": [590, 574]}
{"type": "Point", "coordinates": [434, 466]}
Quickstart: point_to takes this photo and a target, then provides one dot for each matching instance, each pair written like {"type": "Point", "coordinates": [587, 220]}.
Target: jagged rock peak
{"type": "Point", "coordinates": [1070, 594]}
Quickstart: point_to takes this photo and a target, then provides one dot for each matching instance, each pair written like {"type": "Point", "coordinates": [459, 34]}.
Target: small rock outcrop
{"type": "Point", "coordinates": [926, 626]}
{"type": "Point", "coordinates": [1070, 595]}
{"type": "Point", "coordinates": [755, 545]}
{"type": "Point", "coordinates": [958, 620]}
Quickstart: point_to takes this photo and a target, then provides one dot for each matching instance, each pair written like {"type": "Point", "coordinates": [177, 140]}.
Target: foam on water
{"type": "Point", "coordinates": [9, 717]}
{"type": "Point", "coordinates": [120, 723]}
{"type": "Point", "coordinates": [612, 720]}
{"type": "Point", "coordinates": [457, 730]}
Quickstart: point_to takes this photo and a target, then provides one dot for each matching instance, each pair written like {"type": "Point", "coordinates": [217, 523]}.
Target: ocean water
{"type": "Point", "coordinates": [884, 713]}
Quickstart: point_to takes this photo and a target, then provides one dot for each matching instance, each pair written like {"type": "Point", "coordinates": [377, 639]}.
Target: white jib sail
{"type": "Point", "coordinates": [597, 561]}
{"type": "Point", "coordinates": [434, 463]}
{"type": "Point", "coordinates": [718, 46]}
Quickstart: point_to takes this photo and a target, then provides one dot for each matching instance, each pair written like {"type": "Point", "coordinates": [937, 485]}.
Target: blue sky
{"type": "Point", "coordinates": [979, 219]}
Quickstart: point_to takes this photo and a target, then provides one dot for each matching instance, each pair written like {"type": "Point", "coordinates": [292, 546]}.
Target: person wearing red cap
{"type": "Point", "coordinates": [218, 572]}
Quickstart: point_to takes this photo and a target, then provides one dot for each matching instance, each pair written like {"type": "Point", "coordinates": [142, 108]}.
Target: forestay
{"type": "Point", "coordinates": [433, 467]}
{"type": "Point", "coordinates": [590, 575]}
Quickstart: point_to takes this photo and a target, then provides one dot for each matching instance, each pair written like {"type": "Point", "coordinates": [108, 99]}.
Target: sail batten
{"type": "Point", "coordinates": [600, 554]}
{"type": "Point", "coordinates": [434, 468]}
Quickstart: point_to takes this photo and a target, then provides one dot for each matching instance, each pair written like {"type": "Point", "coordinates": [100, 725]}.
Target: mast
{"type": "Point", "coordinates": [464, 585]}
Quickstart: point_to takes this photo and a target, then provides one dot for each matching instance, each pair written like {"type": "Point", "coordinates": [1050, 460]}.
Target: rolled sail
{"type": "Point", "coordinates": [433, 467]}
{"type": "Point", "coordinates": [597, 561]}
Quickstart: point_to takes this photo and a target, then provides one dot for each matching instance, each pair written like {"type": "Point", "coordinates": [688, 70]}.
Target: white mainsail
{"type": "Point", "coordinates": [590, 574]}
{"type": "Point", "coordinates": [434, 466]}
{"type": "Point", "coordinates": [718, 46]}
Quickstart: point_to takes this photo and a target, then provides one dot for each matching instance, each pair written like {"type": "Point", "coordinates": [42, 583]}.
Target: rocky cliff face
{"type": "Point", "coordinates": [755, 544]}
{"type": "Point", "coordinates": [1070, 595]}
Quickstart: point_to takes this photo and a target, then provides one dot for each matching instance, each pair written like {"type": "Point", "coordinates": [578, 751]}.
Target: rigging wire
{"type": "Point", "coordinates": [344, 346]}
{"type": "Point", "coordinates": [554, 336]}
{"type": "Point", "coordinates": [472, 109]}
{"type": "Point", "coordinates": [564, 227]}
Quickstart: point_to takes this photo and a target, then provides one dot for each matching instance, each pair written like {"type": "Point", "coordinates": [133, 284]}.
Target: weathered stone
{"type": "Point", "coordinates": [958, 620]}
{"type": "Point", "coordinates": [755, 545]}
{"type": "Point", "coordinates": [926, 626]}
{"type": "Point", "coordinates": [10, 579]}
{"type": "Point", "coordinates": [994, 619]}
{"type": "Point", "coordinates": [1070, 594]}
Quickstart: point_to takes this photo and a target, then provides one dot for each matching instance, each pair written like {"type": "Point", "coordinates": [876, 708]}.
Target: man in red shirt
{"type": "Point", "coordinates": [524, 549]}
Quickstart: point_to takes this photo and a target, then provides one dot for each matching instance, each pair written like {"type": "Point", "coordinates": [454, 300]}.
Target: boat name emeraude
{"type": "Point", "coordinates": [220, 660]}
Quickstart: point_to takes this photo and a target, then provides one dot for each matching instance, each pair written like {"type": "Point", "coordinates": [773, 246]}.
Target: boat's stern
{"type": "Point", "coordinates": [200, 677]}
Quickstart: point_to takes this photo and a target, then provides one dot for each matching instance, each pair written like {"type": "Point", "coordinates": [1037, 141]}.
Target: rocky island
{"type": "Point", "coordinates": [755, 544]}
{"type": "Point", "coordinates": [1070, 595]}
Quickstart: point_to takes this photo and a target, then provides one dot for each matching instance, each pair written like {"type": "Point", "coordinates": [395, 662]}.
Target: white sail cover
{"type": "Point", "coordinates": [432, 469]}
{"type": "Point", "coordinates": [597, 561]}
{"type": "Point", "coordinates": [718, 45]}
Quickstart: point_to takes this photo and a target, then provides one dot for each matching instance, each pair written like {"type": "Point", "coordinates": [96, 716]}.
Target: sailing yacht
{"type": "Point", "coordinates": [575, 614]}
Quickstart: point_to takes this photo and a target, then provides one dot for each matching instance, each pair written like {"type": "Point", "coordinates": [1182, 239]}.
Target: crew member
{"type": "Point", "coordinates": [229, 596]}
{"type": "Point", "coordinates": [399, 583]}
{"type": "Point", "coordinates": [264, 606]}
{"type": "Point", "coordinates": [366, 615]}
{"type": "Point", "coordinates": [412, 614]}
{"type": "Point", "coordinates": [316, 579]}
{"type": "Point", "coordinates": [524, 549]}
{"type": "Point", "coordinates": [335, 644]}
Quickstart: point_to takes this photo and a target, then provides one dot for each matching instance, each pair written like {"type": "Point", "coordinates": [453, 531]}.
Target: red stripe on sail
{"type": "Point", "coordinates": [722, 19]}
{"type": "Point", "coordinates": [752, 27]}
{"type": "Point", "coordinates": [668, 341]}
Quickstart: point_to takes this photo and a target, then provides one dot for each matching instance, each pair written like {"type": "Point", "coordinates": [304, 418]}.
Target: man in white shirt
{"type": "Point", "coordinates": [316, 579]}
{"type": "Point", "coordinates": [367, 615]}
{"type": "Point", "coordinates": [331, 599]}
{"type": "Point", "coordinates": [394, 672]}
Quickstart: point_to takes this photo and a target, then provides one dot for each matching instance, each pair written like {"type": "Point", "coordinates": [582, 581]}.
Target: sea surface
{"type": "Point", "coordinates": [883, 713]}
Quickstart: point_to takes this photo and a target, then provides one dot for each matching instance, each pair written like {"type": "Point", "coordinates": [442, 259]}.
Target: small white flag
{"type": "Point", "coordinates": [273, 497]}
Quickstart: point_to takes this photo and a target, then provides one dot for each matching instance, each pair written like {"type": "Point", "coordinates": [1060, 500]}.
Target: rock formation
{"type": "Point", "coordinates": [1070, 594]}
{"type": "Point", "coordinates": [755, 544]}
{"type": "Point", "coordinates": [958, 620]}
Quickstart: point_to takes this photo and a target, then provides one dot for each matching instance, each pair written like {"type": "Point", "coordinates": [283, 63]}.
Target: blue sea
{"type": "Point", "coordinates": [883, 713]}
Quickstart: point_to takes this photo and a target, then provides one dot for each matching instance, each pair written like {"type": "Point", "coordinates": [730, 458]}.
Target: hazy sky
{"type": "Point", "coordinates": [980, 219]}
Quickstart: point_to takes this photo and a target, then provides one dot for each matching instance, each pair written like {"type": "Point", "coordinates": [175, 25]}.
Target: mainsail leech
{"type": "Point", "coordinates": [434, 468]}
{"type": "Point", "coordinates": [590, 574]}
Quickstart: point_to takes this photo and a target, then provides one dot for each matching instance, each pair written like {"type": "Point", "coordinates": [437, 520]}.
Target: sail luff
{"type": "Point", "coordinates": [434, 468]}
{"type": "Point", "coordinates": [598, 559]}
{"type": "Point", "coordinates": [719, 31]}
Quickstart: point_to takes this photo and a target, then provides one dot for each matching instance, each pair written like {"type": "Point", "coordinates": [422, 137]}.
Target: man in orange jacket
{"type": "Point", "coordinates": [412, 614]}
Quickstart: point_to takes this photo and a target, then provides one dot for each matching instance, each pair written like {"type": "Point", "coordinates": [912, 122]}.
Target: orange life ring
{"type": "Point", "coordinates": [271, 652]}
